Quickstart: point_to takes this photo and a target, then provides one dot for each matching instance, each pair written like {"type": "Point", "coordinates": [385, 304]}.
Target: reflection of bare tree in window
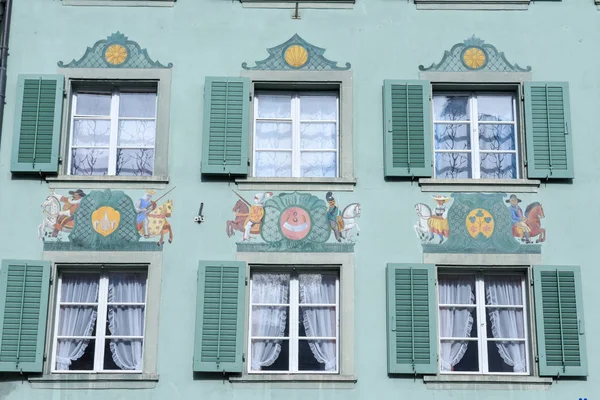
{"type": "Point", "coordinates": [319, 165]}
{"type": "Point", "coordinates": [136, 162]}
{"type": "Point", "coordinates": [496, 138]}
{"type": "Point", "coordinates": [453, 137]}
{"type": "Point", "coordinates": [84, 162]}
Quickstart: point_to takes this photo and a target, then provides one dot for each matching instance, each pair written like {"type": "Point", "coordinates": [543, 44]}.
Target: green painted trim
{"type": "Point", "coordinates": [94, 56]}
{"type": "Point", "coordinates": [533, 170]}
{"type": "Point", "coordinates": [544, 369]}
{"type": "Point", "coordinates": [495, 60]}
{"type": "Point", "coordinates": [315, 61]}
{"type": "Point", "coordinates": [70, 246]}
{"type": "Point", "coordinates": [31, 167]}
{"type": "Point", "coordinates": [426, 170]}
{"type": "Point", "coordinates": [42, 287]}
{"type": "Point", "coordinates": [209, 132]}
{"type": "Point", "coordinates": [393, 366]}
{"type": "Point", "coordinates": [215, 365]}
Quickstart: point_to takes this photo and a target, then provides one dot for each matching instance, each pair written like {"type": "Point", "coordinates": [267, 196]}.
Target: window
{"type": "Point", "coordinates": [483, 323]}
{"type": "Point", "coordinates": [100, 320]}
{"type": "Point", "coordinates": [475, 135]}
{"type": "Point", "coordinates": [113, 132]}
{"type": "Point", "coordinates": [294, 322]}
{"type": "Point", "coordinates": [296, 134]}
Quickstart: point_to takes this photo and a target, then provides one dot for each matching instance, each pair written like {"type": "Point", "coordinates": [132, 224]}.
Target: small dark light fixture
{"type": "Point", "coordinates": [199, 218]}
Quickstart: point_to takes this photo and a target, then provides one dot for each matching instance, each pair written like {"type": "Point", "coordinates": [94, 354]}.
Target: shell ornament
{"type": "Point", "coordinates": [474, 58]}
{"type": "Point", "coordinates": [296, 56]}
{"type": "Point", "coordinates": [115, 54]}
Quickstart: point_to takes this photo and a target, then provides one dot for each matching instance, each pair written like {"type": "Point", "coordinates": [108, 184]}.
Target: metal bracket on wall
{"type": "Point", "coordinates": [296, 14]}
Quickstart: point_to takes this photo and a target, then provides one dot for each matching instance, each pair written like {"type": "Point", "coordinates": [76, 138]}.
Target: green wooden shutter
{"type": "Point", "coordinates": [24, 287]}
{"type": "Point", "coordinates": [412, 319]}
{"type": "Point", "coordinates": [407, 128]}
{"type": "Point", "coordinates": [548, 130]}
{"type": "Point", "coordinates": [225, 138]}
{"type": "Point", "coordinates": [37, 123]}
{"type": "Point", "coordinates": [220, 316]}
{"type": "Point", "coordinates": [559, 321]}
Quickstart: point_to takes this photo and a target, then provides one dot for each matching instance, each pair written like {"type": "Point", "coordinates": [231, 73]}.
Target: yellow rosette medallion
{"type": "Point", "coordinates": [474, 58]}
{"type": "Point", "coordinates": [115, 54]}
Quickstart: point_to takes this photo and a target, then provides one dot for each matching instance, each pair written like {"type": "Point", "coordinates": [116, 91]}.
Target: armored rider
{"type": "Point", "coordinates": [256, 214]}
{"type": "Point", "coordinates": [143, 207]}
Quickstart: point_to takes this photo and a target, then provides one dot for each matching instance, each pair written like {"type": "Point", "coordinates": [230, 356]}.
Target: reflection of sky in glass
{"type": "Point", "coordinates": [318, 108]}
{"type": "Point", "coordinates": [274, 164]}
{"type": "Point", "coordinates": [93, 104]}
{"type": "Point", "coordinates": [318, 135]}
{"type": "Point", "coordinates": [451, 108]}
{"type": "Point", "coordinates": [274, 106]}
{"type": "Point", "coordinates": [137, 105]}
{"type": "Point", "coordinates": [273, 135]}
{"type": "Point", "coordinates": [137, 133]}
{"type": "Point", "coordinates": [89, 161]}
{"type": "Point", "coordinates": [91, 132]}
{"type": "Point", "coordinates": [495, 108]}
{"type": "Point", "coordinates": [318, 164]}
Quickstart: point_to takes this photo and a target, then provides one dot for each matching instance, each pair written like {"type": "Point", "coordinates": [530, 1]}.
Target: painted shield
{"type": "Point", "coordinates": [295, 223]}
{"type": "Point", "coordinates": [105, 220]}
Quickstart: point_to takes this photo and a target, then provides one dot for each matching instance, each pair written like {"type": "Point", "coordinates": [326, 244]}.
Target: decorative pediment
{"type": "Point", "coordinates": [480, 223]}
{"type": "Point", "coordinates": [474, 55]}
{"type": "Point", "coordinates": [296, 54]}
{"type": "Point", "coordinates": [116, 51]}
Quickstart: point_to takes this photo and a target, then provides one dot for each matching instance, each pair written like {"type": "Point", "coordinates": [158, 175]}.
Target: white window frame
{"type": "Point", "coordinates": [481, 309]}
{"type": "Point", "coordinates": [101, 318]}
{"type": "Point", "coordinates": [296, 122]}
{"type": "Point", "coordinates": [473, 123]}
{"type": "Point", "coordinates": [293, 320]}
{"type": "Point", "coordinates": [114, 119]}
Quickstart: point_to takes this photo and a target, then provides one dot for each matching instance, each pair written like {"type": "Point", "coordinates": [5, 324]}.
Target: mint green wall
{"type": "Point", "coordinates": [383, 39]}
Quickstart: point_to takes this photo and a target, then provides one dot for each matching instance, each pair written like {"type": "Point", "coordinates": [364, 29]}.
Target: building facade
{"type": "Point", "coordinates": [328, 199]}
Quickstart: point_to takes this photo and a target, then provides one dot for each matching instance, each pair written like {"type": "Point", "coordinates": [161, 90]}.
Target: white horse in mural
{"type": "Point", "coordinates": [50, 208]}
{"type": "Point", "coordinates": [349, 215]}
{"type": "Point", "coordinates": [422, 228]}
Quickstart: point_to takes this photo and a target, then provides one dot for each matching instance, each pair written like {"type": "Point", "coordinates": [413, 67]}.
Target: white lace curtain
{"type": "Point", "coordinates": [75, 320]}
{"type": "Point", "coordinates": [455, 322]}
{"type": "Point", "coordinates": [127, 320]}
{"type": "Point", "coordinates": [320, 321]}
{"type": "Point", "coordinates": [507, 323]}
{"type": "Point", "coordinates": [268, 321]}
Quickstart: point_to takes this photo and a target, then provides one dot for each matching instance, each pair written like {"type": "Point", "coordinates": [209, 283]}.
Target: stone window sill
{"type": "Point", "coordinates": [472, 4]}
{"type": "Point", "coordinates": [483, 382]}
{"type": "Point", "coordinates": [299, 184]}
{"type": "Point", "coordinates": [95, 381]}
{"type": "Point", "coordinates": [480, 185]}
{"type": "Point", "coordinates": [120, 3]}
{"type": "Point", "coordinates": [107, 182]}
{"type": "Point", "coordinates": [305, 381]}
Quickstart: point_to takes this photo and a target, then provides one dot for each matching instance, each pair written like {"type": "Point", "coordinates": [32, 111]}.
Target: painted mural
{"type": "Point", "coordinates": [294, 222]}
{"type": "Point", "coordinates": [485, 223]}
{"type": "Point", "coordinates": [105, 220]}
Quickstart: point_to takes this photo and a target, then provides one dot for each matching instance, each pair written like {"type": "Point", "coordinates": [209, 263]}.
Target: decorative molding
{"type": "Point", "coordinates": [474, 54]}
{"type": "Point", "coordinates": [116, 51]}
{"type": "Point", "coordinates": [481, 223]}
{"type": "Point", "coordinates": [296, 54]}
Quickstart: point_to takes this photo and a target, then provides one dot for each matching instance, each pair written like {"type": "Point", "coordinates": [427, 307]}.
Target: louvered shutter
{"type": "Point", "coordinates": [559, 321]}
{"type": "Point", "coordinates": [37, 123]}
{"type": "Point", "coordinates": [412, 321]}
{"type": "Point", "coordinates": [225, 137]}
{"type": "Point", "coordinates": [548, 130]}
{"type": "Point", "coordinates": [220, 316]}
{"type": "Point", "coordinates": [24, 287]}
{"type": "Point", "coordinates": [407, 128]}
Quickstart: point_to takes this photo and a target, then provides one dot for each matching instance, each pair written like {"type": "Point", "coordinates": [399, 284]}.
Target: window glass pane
{"type": "Point", "coordinates": [317, 288]}
{"type": "Point", "coordinates": [75, 355]}
{"type": "Point", "coordinates": [89, 161]}
{"type": "Point", "coordinates": [274, 106]}
{"type": "Point", "coordinates": [91, 132]}
{"type": "Point", "coordinates": [317, 164]}
{"type": "Point", "coordinates": [507, 357]}
{"type": "Point", "coordinates": [273, 164]}
{"type": "Point", "coordinates": [140, 133]}
{"type": "Point", "coordinates": [504, 289]}
{"type": "Point", "coordinates": [137, 105]}
{"type": "Point", "coordinates": [135, 162]}
{"type": "Point", "coordinates": [505, 323]}
{"type": "Point", "coordinates": [79, 288]}
{"type": "Point", "coordinates": [496, 137]}
{"type": "Point", "coordinates": [451, 108]}
{"type": "Point", "coordinates": [271, 135]}
{"type": "Point", "coordinates": [498, 165]}
{"type": "Point", "coordinates": [469, 362]}
{"type": "Point", "coordinates": [93, 104]}
{"type": "Point", "coordinates": [318, 135]}
{"type": "Point", "coordinates": [317, 355]}
{"type": "Point", "coordinates": [452, 137]}
{"type": "Point", "coordinates": [270, 355]}
{"type": "Point", "coordinates": [123, 354]}
{"type": "Point", "coordinates": [495, 108]}
{"type": "Point", "coordinates": [270, 288]}
{"type": "Point", "coordinates": [453, 165]}
{"type": "Point", "coordinates": [318, 108]}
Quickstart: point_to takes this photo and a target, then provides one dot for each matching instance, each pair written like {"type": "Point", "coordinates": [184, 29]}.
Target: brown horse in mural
{"type": "Point", "coordinates": [158, 224]}
{"type": "Point", "coordinates": [534, 213]}
{"type": "Point", "coordinates": [241, 211]}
